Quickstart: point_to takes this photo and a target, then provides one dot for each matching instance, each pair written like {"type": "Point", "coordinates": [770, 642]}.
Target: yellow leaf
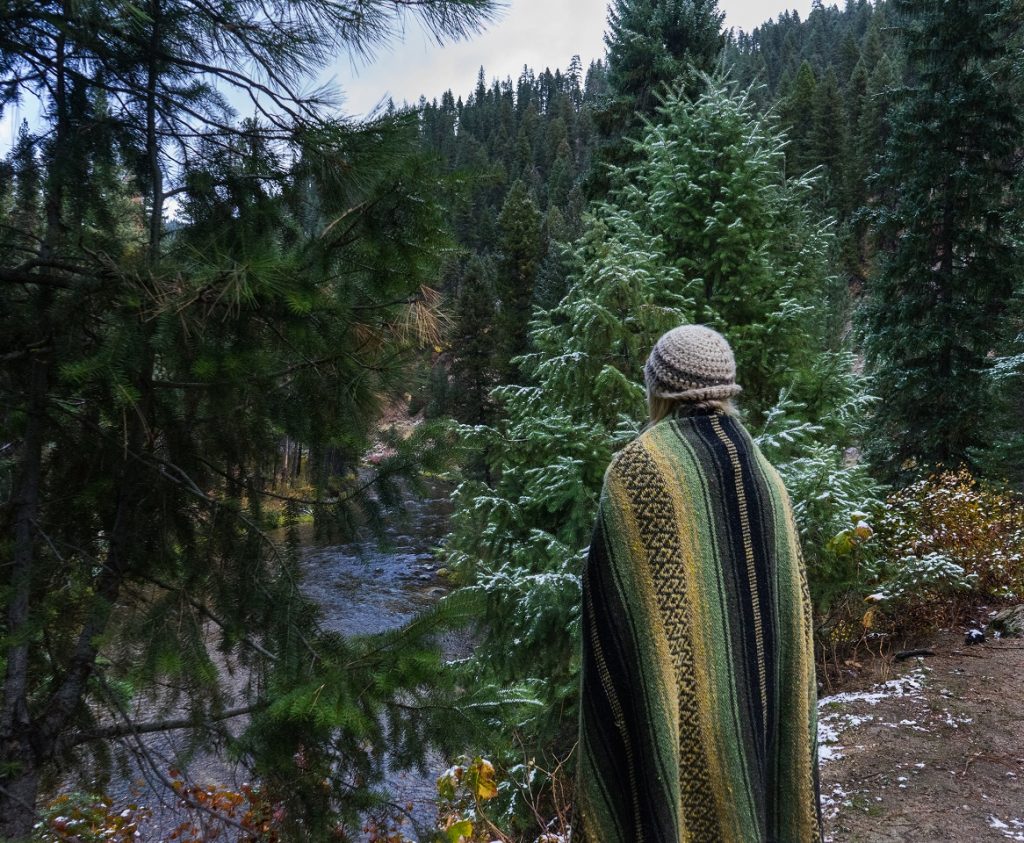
{"type": "Point", "coordinates": [841, 544]}
{"type": "Point", "coordinates": [462, 830]}
{"type": "Point", "coordinates": [863, 531]}
{"type": "Point", "coordinates": [486, 788]}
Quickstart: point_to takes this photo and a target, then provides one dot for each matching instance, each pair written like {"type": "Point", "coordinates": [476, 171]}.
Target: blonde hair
{"type": "Point", "coordinates": [660, 408]}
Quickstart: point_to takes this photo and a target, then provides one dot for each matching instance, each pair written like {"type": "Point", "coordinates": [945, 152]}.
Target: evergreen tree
{"type": "Point", "coordinates": [947, 227]}
{"type": "Point", "coordinates": [873, 120]}
{"type": "Point", "coordinates": [654, 42]}
{"type": "Point", "coordinates": [1005, 458]}
{"type": "Point", "coordinates": [473, 366]}
{"type": "Point", "coordinates": [537, 131]}
{"type": "Point", "coordinates": [705, 227]}
{"type": "Point", "coordinates": [828, 143]}
{"type": "Point", "coordinates": [651, 43]}
{"type": "Point", "coordinates": [520, 249]}
{"type": "Point", "coordinates": [151, 371]}
{"type": "Point", "coordinates": [797, 115]}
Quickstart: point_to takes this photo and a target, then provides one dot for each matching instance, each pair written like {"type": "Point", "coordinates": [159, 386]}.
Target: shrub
{"type": "Point", "coordinates": [523, 801]}
{"type": "Point", "coordinates": [947, 542]}
{"type": "Point", "coordinates": [88, 818]}
{"type": "Point", "coordinates": [833, 497]}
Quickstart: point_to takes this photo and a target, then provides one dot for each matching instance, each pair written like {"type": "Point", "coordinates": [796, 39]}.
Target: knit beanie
{"type": "Point", "coordinates": [691, 363]}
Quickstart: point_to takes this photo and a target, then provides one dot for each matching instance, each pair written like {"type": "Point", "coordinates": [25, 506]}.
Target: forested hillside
{"type": "Point", "coordinates": [515, 154]}
{"type": "Point", "coordinates": [527, 155]}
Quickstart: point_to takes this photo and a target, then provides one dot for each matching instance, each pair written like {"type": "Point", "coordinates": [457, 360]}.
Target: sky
{"type": "Point", "coordinates": [536, 33]}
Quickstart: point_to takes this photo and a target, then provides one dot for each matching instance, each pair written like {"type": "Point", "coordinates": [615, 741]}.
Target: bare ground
{"type": "Point", "coordinates": [934, 752]}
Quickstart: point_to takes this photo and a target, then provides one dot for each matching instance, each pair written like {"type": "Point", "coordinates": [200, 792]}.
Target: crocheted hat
{"type": "Point", "coordinates": [691, 363]}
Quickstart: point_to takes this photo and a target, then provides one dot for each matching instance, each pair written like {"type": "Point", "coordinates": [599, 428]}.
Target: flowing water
{"type": "Point", "coordinates": [363, 588]}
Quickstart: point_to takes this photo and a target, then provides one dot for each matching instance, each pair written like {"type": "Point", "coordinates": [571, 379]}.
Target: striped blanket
{"type": "Point", "coordinates": [698, 708]}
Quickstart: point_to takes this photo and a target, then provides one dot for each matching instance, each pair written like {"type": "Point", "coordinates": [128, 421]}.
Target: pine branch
{"type": "Point", "coordinates": [174, 474]}
{"type": "Point", "coordinates": [208, 614]}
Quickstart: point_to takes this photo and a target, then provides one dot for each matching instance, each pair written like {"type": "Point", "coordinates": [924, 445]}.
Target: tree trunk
{"type": "Point", "coordinates": [152, 141]}
{"type": "Point", "coordinates": [18, 798]}
{"type": "Point", "coordinates": [19, 781]}
{"type": "Point", "coordinates": [19, 765]}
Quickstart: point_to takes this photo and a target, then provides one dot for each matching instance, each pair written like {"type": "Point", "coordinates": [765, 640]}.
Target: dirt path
{"type": "Point", "coordinates": [936, 752]}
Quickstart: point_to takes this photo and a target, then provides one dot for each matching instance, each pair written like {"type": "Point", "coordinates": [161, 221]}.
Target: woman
{"type": "Point", "coordinates": [698, 709]}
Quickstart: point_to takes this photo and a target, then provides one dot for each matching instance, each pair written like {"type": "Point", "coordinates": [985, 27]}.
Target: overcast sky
{"type": "Point", "coordinates": [536, 33]}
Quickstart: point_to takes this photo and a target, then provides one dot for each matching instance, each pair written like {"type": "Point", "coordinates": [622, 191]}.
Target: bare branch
{"type": "Point", "coordinates": [171, 724]}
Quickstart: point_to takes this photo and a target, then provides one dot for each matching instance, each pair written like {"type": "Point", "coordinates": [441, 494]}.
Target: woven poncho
{"type": "Point", "coordinates": [698, 707]}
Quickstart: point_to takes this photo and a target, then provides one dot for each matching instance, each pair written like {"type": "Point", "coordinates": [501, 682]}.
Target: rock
{"type": "Point", "coordinates": [974, 636]}
{"type": "Point", "coordinates": [442, 572]}
{"type": "Point", "coordinates": [902, 655]}
{"type": "Point", "coordinates": [1009, 623]}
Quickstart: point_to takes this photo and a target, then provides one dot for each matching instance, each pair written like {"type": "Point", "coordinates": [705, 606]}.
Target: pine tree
{"type": "Point", "coordinates": [946, 230]}
{"type": "Point", "coordinates": [705, 227]}
{"type": "Point", "coordinates": [1005, 458]}
{"type": "Point", "coordinates": [538, 131]}
{"type": "Point", "coordinates": [520, 250]}
{"type": "Point", "coordinates": [796, 114]}
{"type": "Point", "coordinates": [828, 144]}
{"type": "Point", "coordinates": [473, 367]}
{"type": "Point", "coordinates": [651, 43]}
{"type": "Point", "coordinates": [654, 42]}
{"type": "Point", "coordinates": [151, 371]}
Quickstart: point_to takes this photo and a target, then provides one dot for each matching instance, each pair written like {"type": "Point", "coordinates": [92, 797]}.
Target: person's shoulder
{"type": "Point", "coordinates": [634, 458]}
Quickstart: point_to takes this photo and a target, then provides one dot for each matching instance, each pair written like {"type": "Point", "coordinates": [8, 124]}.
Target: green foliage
{"type": "Point", "coordinates": [1004, 458]}
{"type": "Point", "coordinates": [797, 116]}
{"type": "Point", "coordinates": [153, 369]}
{"type": "Point", "coordinates": [921, 580]}
{"type": "Point", "coordinates": [520, 248]}
{"type": "Point", "coordinates": [473, 345]}
{"type": "Point", "coordinates": [374, 702]}
{"type": "Point", "coordinates": [81, 818]}
{"type": "Point", "coordinates": [751, 259]}
{"type": "Point", "coordinates": [653, 45]}
{"type": "Point", "coordinates": [828, 76]}
{"type": "Point", "coordinates": [965, 520]}
{"type": "Point", "coordinates": [515, 151]}
{"type": "Point", "coordinates": [832, 492]}
{"type": "Point", "coordinates": [705, 226]}
{"type": "Point", "coordinates": [829, 141]}
{"type": "Point", "coordinates": [517, 540]}
{"type": "Point", "coordinates": [921, 557]}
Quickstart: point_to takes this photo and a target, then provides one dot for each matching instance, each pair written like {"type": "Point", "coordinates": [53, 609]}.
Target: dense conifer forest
{"type": "Point", "coordinates": [205, 323]}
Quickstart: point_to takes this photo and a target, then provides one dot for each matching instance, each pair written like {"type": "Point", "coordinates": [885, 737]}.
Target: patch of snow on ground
{"type": "Point", "coordinates": [833, 719]}
{"type": "Point", "coordinates": [956, 720]}
{"type": "Point", "coordinates": [908, 685]}
{"type": "Point", "coordinates": [1013, 830]}
{"type": "Point", "coordinates": [830, 802]}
